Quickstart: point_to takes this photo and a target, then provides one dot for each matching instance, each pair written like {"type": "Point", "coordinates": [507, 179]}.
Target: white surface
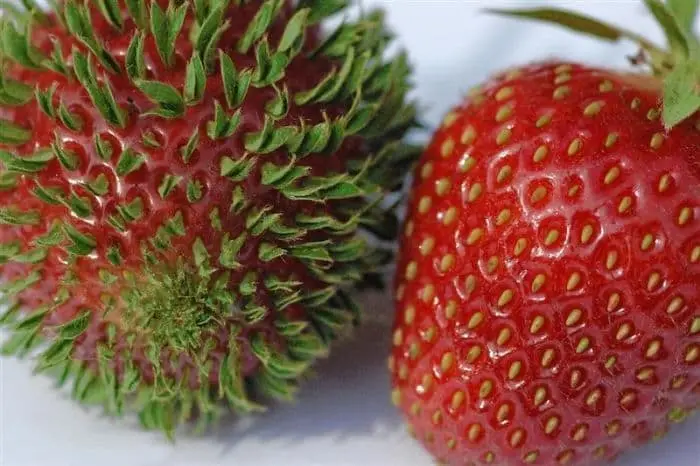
{"type": "Point", "coordinates": [343, 417]}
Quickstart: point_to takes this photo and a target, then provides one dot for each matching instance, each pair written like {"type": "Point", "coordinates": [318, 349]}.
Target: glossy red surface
{"type": "Point", "coordinates": [548, 286]}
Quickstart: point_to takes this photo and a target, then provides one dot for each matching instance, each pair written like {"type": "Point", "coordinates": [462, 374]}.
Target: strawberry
{"type": "Point", "coordinates": [548, 282]}
{"type": "Point", "coordinates": [187, 189]}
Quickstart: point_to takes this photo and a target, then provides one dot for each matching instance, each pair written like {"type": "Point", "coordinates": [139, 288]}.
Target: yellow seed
{"type": "Point", "coordinates": [695, 326]}
{"type": "Point", "coordinates": [606, 86]}
{"type": "Point", "coordinates": [447, 262]}
{"type": "Point", "coordinates": [415, 409]}
{"type": "Point", "coordinates": [565, 457]}
{"type": "Point", "coordinates": [610, 362]}
{"type": "Point", "coordinates": [647, 242]}
{"type": "Point", "coordinates": [449, 119]}
{"type": "Point", "coordinates": [653, 281]}
{"type": "Point", "coordinates": [503, 217]}
{"type": "Point", "coordinates": [489, 457]}
{"type": "Point", "coordinates": [540, 154]}
{"type": "Point", "coordinates": [574, 317]}
{"type": "Point", "coordinates": [552, 237]}
{"type": "Point", "coordinates": [520, 246]}
{"type": "Point", "coordinates": [678, 381]}
{"type": "Point", "coordinates": [466, 163]}
{"type": "Point", "coordinates": [503, 136]}
{"type": "Point", "coordinates": [424, 204]}
{"type": "Point", "coordinates": [409, 315]}
{"type": "Point", "coordinates": [575, 379]}
{"type": "Point", "coordinates": [593, 108]}
{"type": "Point", "coordinates": [573, 282]}
{"type": "Point", "coordinates": [645, 374]}
{"type": "Point", "coordinates": [428, 292]}
{"type": "Point", "coordinates": [562, 78]}
{"type": "Point", "coordinates": [474, 236]}
{"type": "Point", "coordinates": [411, 270]}
{"type": "Point", "coordinates": [396, 397]}
{"type": "Point", "coordinates": [547, 357]}
{"type": "Point", "coordinates": [442, 186]}
{"type": "Point", "coordinates": [473, 354]}
{"type": "Point", "coordinates": [391, 364]}
{"type": "Point", "coordinates": [468, 135]}
{"type": "Point", "coordinates": [692, 353]}
{"type": "Point", "coordinates": [613, 428]}
{"type": "Point", "coordinates": [446, 362]}
{"type": "Point", "coordinates": [544, 120]}
{"type": "Point", "coordinates": [503, 336]}
{"type": "Point", "coordinates": [583, 344]}
{"type": "Point", "coordinates": [611, 139]}
{"type": "Point", "coordinates": [695, 254]}
{"type": "Point", "coordinates": [678, 414]}
{"type": "Point", "coordinates": [474, 192]}
{"type": "Point", "coordinates": [653, 114]}
{"type": "Point", "coordinates": [586, 234]}
{"type": "Point", "coordinates": [561, 92]}
{"type": "Point", "coordinates": [485, 389]}
{"type": "Point", "coordinates": [426, 170]}
{"type": "Point", "coordinates": [656, 141]}
{"type": "Point", "coordinates": [514, 370]}
{"type": "Point", "coordinates": [627, 399]}
{"type": "Point", "coordinates": [675, 305]}
{"type": "Point", "coordinates": [664, 183]}
{"type": "Point", "coordinates": [573, 190]}
{"type": "Point", "coordinates": [427, 382]}
{"type": "Point", "coordinates": [457, 400]}
{"type": "Point", "coordinates": [563, 69]}
{"type": "Point", "coordinates": [531, 457]}
{"type": "Point", "coordinates": [504, 173]}
{"type": "Point", "coordinates": [504, 93]}
{"type": "Point", "coordinates": [594, 397]}
{"type": "Point", "coordinates": [580, 433]}
{"type": "Point", "coordinates": [517, 437]}
{"type": "Point", "coordinates": [505, 298]}
{"type": "Point", "coordinates": [538, 282]}
{"type": "Point", "coordinates": [538, 194]}
{"type": "Point", "coordinates": [551, 425]}
{"type": "Point", "coordinates": [623, 332]}
{"type": "Point", "coordinates": [450, 216]}
{"type": "Point", "coordinates": [403, 372]}
{"type": "Point", "coordinates": [537, 324]}
{"type": "Point", "coordinates": [475, 320]}
{"type": "Point", "coordinates": [624, 205]}
{"type": "Point", "coordinates": [451, 309]}
{"type": "Point", "coordinates": [684, 216]}
{"type": "Point", "coordinates": [451, 444]}
{"type": "Point", "coordinates": [611, 260]}
{"type": "Point", "coordinates": [653, 349]}
{"type": "Point", "coordinates": [504, 113]}
{"type": "Point", "coordinates": [447, 147]}
{"type": "Point", "coordinates": [492, 264]}
{"type": "Point", "coordinates": [574, 147]}
{"type": "Point", "coordinates": [473, 433]}
{"type": "Point", "coordinates": [413, 351]}
{"type": "Point", "coordinates": [612, 175]}
{"type": "Point", "coordinates": [400, 290]}
{"type": "Point", "coordinates": [540, 396]}
{"type": "Point", "coordinates": [470, 284]}
{"type": "Point", "coordinates": [502, 413]}
{"type": "Point", "coordinates": [437, 417]}
{"type": "Point", "coordinates": [426, 247]}
{"type": "Point", "coordinates": [613, 301]}
{"type": "Point", "coordinates": [409, 228]}
{"type": "Point", "coordinates": [636, 102]}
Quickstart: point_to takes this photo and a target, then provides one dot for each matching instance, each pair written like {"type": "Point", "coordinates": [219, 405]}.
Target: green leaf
{"type": "Point", "coordinates": [135, 64]}
{"type": "Point", "coordinates": [188, 149]}
{"type": "Point", "coordinates": [165, 27]}
{"type": "Point", "coordinates": [18, 47]}
{"type": "Point", "coordinates": [268, 252]}
{"type": "Point", "coordinates": [129, 161]}
{"type": "Point", "coordinates": [238, 169]}
{"type": "Point", "coordinates": [168, 184]}
{"type": "Point", "coordinates": [101, 95]}
{"type": "Point", "coordinates": [208, 35]}
{"type": "Point", "coordinates": [99, 186]}
{"type": "Point", "coordinates": [169, 101]}
{"type": "Point", "coordinates": [28, 164]}
{"type": "Point", "coordinates": [681, 97]}
{"type": "Point", "coordinates": [230, 249]}
{"type": "Point", "coordinates": [676, 36]}
{"type": "Point", "coordinates": [80, 25]}
{"type": "Point", "coordinates": [14, 93]}
{"type": "Point", "coordinates": [321, 9]}
{"type": "Point", "coordinates": [112, 12]}
{"type": "Point", "coordinates": [138, 11]}
{"type": "Point", "coordinates": [13, 134]}
{"type": "Point", "coordinates": [74, 328]}
{"type": "Point", "coordinates": [685, 11]}
{"type": "Point", "coordinates": [294, 31]}
{"type": "Point", "coordinates": [83, 244]}
{"type": "Point", "coordinates": [16, 217]}
{"type": "Point", "coordinates": [195, 80]}
{"type": "Point", "coordinates": [259, 24]}
{"type": "Point", "coordinates": [222, 126]}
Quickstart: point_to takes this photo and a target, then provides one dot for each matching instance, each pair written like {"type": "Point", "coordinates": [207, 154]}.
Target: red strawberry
{"type": "Point", "coordinates": [185, 192]}
{"type": "Point", "coordinates": [548, 286]}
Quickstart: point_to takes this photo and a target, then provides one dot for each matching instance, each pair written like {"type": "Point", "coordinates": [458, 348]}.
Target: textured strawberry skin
{"type": "Point", "coordinates": [548, 284]}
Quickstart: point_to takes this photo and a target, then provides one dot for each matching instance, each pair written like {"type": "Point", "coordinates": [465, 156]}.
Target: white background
{"type": "Point", "coordinates": [343, 417]}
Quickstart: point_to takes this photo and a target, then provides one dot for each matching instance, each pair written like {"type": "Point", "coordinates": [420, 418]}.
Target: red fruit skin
{"type": "Point", "coordinates": [172, 134]}
{"type": "Point", "coordinates": [512, 349]}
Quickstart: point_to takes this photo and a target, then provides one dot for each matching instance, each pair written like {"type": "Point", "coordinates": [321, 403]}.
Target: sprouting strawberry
{"type": "Point", "coordinates": [186, 192]}
{"type": "Point", "coordinates": [548, 284]}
